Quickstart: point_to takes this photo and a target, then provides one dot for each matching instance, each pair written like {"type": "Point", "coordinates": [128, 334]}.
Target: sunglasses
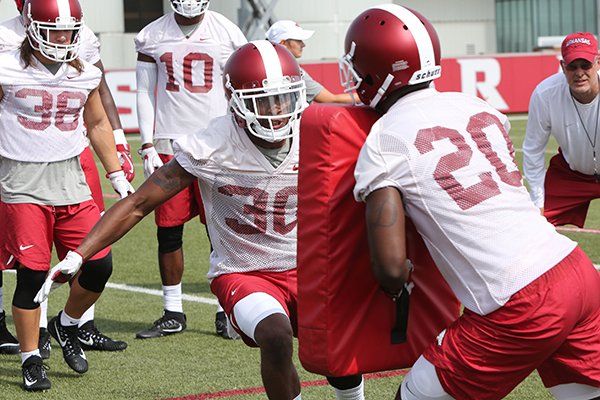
{"type": "Point", "coordinates": [586, 66]}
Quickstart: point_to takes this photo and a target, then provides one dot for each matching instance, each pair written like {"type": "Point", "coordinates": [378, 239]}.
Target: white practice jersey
{"type": "Point", "coordinates": [41, 114]}
{"type": "Point", "coordinates": [251, 206]}
{"type": "Point", "coordinates": [552, 112]}
{"type": "Point", "coordinates": [189, 87]}
{"type": "Point", "coordinates": [450, 156]}
{"type": "Point", "coordinates": [12, 34]}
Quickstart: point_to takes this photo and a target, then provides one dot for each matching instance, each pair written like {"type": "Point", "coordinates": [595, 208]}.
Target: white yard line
{"type": "Point", "coordinates": [155, 292]}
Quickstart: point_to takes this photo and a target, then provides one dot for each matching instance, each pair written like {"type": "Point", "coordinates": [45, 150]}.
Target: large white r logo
{"type": "Point", "coordinates": [486, 89]}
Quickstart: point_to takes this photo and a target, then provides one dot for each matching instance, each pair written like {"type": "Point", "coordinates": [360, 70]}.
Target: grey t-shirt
{"type": "Point", "coordinates": [277, 155]}
{"type": "Point", "coordinates": [312, 87]}
{"type": "Point", "coordinates": [47, 183]}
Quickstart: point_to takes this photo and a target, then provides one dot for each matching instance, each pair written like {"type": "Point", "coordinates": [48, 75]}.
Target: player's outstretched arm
{"type": "Point", "coordinates": [117, 221]}
{"type": "Point", "coordinates": [165, 183]}
{"type": "Point", "coordinates": [387, 239]}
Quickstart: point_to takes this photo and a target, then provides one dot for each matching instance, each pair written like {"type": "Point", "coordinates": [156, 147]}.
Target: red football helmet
{"type": "Point", "coordinates": [19, 4]}
{"type": "Point", "coordinates": [190, 8]}
{"type": "Point", "coordinates": [265, 90]}
{"type": "Point", "coordinates": [44, 16]}
{"type": "Point", "coordinates": [388, 47]}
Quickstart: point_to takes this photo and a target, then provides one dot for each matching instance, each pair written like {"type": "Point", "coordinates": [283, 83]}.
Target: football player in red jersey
{"type": "Point", "coordinates": [245, 165]}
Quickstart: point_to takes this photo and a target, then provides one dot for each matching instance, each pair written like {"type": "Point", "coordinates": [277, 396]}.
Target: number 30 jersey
{"type": "Point", "coordinates": [251, 206]}
{"type": "Point", "coordinates": [189, 86]}
{"type": "Point", "coordinates": [41, 114]}
{"type": "Point", "coordinates": [450, 156]}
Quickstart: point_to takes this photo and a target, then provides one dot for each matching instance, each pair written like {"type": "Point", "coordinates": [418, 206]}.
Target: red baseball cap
{"type": "Point", "coordinates": [579, 45]}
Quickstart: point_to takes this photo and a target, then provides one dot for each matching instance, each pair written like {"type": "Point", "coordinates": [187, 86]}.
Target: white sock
{"type": "Point", "coordinates": [172, 298]}
{"type": "Point", "coordinates": [44, 314]}
{"type": "Point", "coordinates": [67, 320]}
{"type": "Point", "coordinates": [355, 393]}
{"type": "Point", "coordinates": [220, 308]}
{"type": "Point", "coordinates": [27, 354]}
{"type": "Point", "coordinates": [88, 315]}
{"type": "Point", "coordinates": [299, 397]}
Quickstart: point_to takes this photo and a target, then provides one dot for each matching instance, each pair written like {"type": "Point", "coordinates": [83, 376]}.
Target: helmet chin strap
{"type": "Point", "coordinates": [381, 91]}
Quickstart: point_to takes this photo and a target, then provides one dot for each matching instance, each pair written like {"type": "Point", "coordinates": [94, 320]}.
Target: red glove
{"type": "Point", "coordinates": [126, 162]}
{"type": "Point", "coordinates": [124, 154]}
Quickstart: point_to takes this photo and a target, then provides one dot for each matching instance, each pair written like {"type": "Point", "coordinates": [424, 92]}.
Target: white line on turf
{"type": "Point", "coordinates": [154, 292]}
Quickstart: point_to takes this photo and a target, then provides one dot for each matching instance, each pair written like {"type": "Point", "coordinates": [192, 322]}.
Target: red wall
{"type": "Point", "coordinates": [506, 81]}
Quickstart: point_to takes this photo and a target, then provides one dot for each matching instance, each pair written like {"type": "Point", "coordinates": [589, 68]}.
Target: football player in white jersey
{"type": "Point", "coordinates": [445, 160]}
{"type": "Point", "coordinates": [12, 33]}
{"type": "Point", "coordinates": [246, 163]}
{"type": "Point", "coordinates": [47, 94]}
{"type": "Point", "coordinates": [180, 61]}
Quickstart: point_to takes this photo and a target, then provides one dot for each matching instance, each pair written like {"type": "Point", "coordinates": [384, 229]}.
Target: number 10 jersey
{"type": "Point", "coordinates": [189, 89]}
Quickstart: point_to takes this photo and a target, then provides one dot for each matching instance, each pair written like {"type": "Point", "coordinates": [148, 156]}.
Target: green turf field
{"type": "Point", "coordinates": [196, 363]}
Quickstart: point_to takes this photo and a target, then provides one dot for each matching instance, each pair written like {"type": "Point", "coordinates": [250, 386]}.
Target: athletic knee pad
{"type": "Point", "coordinates": [422, 383]}
{"type": "Point", "coordinates": [169, 239]}
{"type": "Point", "coordinates": [95, 273]}
{"type": "Point", "coordinates": [29, 283]}
{"type": "Point", "coordinates": [575, 391]}
{"type": "Point", "coordinates": [344, 382]}
{"type": "Point", "coordinates": [252, 309]}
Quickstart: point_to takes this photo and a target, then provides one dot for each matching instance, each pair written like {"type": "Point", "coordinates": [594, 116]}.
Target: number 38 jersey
{"type": "Point", "coordinates": [450, 156]}
{"type": "Point", "coordinates": [41, 114]}
{"type": "Point", "coordinates": [251, 206]}
{"type": "Point", "coordinates": [189, 87]}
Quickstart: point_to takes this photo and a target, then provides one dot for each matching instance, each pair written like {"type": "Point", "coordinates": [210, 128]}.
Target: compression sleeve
{"type": "Point", "coordinates": [146, 74]}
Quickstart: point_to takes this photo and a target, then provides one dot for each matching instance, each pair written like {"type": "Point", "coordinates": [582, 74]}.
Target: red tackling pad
{"type": "Point", "coordinates": [344, 319]}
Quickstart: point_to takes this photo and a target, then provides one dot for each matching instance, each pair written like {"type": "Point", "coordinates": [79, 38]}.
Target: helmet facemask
{"type": "Point", "coordinates": [271, 111]}
{"type": "Point", "coordinates": [38, 34]}
{"type": "Point", "coordinates": [349, 78]}
{"type": "Point", "coordinates": [190, 8]}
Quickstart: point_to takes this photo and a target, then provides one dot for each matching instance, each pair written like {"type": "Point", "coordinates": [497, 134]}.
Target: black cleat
{"type": "Point", "coordinates": [34, 375]}
{"type": "Point", "coordinates": [66, 336]}
{"type": "Point", "coordinates": [8, 343]}
{"type": "Point", "coordinates": [44, 344]}
{"type": "Point", "coordinates": [91, 338]}
{"type": "Point", "coordinates": [222, 327]}
{"type": "Point", "coordinates": [220, 324]}
{"type": "Point", "coordinates": [169, 324]}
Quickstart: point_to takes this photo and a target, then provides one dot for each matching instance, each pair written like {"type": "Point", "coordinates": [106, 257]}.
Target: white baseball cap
{"type": "Point", "coordinates": [286, 29]}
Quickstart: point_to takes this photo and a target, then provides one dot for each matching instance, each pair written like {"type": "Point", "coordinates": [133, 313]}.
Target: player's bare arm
{"type": "Point", "coordinates": [107, 100]}
{"type": "Point", "coordinates": [100, 132]}
{"type": "Point", "coordinates": [387, 239]}
{"type": "Point", "coordinates": [165, 183]}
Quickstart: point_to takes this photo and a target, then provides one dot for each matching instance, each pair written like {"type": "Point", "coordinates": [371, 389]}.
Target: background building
{"type": "Point", "coordinates": [486, 44]}
{"type": "Point", "coordinates": [467, 27]}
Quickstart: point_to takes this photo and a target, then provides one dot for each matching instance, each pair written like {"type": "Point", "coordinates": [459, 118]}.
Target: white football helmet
{"type": "Point", "coordinates": [189, 8]}
{"type": "Point", "coordinates": [265, 90]}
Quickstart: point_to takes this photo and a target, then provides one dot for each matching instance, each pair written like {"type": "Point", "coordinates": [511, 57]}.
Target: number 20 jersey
{"type": "Point", "coordinates": [41, 114]}
{"type": "Point", "coordinates": [450, 156]}
{"type": "Point", "coordinates": [189, 85]}
{"type": "Point", "coordinates": [251, 206]}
